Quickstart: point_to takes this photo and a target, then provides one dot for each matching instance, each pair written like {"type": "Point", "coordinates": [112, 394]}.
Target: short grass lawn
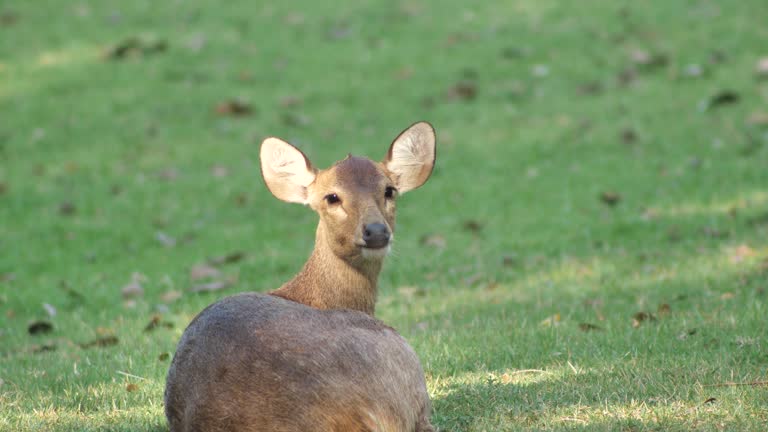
{"type": "Point", "coordinates": [591, 252]}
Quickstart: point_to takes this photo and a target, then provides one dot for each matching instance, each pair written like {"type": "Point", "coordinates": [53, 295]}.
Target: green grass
{"type": "Point", "coordinates": [497, 314]}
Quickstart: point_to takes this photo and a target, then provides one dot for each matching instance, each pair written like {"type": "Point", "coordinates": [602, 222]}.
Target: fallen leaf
{"type": "Point", "coordinates": [758, 119]}
{"type": "Point", "coordinates": [590, 88]}
{"type": "Point", "coordinates": [743, 341]}
{"type": "Point", "coordinates": [291, 101]}
{"type": "Point", "coordinates": [133, 289]}
{"type": "Point", "coordinates": [717, 57]}
{"type": "Point", "coordinates": [404, 73]}
{"type": "Point", "coordinates": [628, 136]}
{"type": "Point", "coordinates": [673, 234]}
{"type": "Point", "coordinates": [163, 356]}
{"type": "Point", "coordinates": [8, 18]}
{"type": "Point", "coordinates": [409, 292]}
{"type": "Point", "coordinates": [648, 61]}
{"type": "Point", "coordinates": [540, 70]}
{"type": "Point", "coordinates": [131, 387]}
{"type": "Point", "coordinates": [742, 252]}
{"type": "Point", "coordinates": [165, 239]}
{"type": "Point", "coordinates": [170, 296]}
{"type": "Point", "coordinates": [50, 310]}
{"type": "Point", "coordinates": [134, 47]}
{"type": "Point", "coordinates": [428, 102]}
{"type": "Point", "coordinates": [66, 208]}
{"type": "Point", "coordinates": [227, 259]}
{"type": "Point", "coordinates": [649, 214]}
{"type": "Point", "coordinates": [587, 327]}
{"type": "Point", "coordinates": [685, 334]}
{"type": "Point", "coordinates": [472, 226]}
{"type": "Point", "coordinates": [513, 53]}
{"type": "Point", "coordinates": [104, 331]}
{"type": "Point", "coordinates": [40, 327]}
{"type": "Point", "coordinates": [509, 260]}
{"type": "Point", "coordinates": [626, 76]}
{"type": "Point", "coordinates": [294, 19]}
{"type": "Point", "coordinates": [760, 219]}
{"type": "Point", "coordinates": [46, 347]}
{"type": "Point", "coordinates": [100, 342]}
{"type": "Point", "coordinates": [156, 322]}
{"type": "Point", "coordinates": [464, 90]}
{"type": "Point", "coordinates": [719, 99]}
{"type": "Point", "coordinates": [433, 240]}
{"type": "Point", "coordinates": [663, 310]}
{"type": "Point", "coordinates": [213, 286]}
{"type": "Point", "coordinates": [168, 174]}
{"type": "Point", "coordinates": [203, 271]}
{"type": "Point", "coordinates": [73, 295]}
{"type": "Point", "coordinates": [761, 68]}
{"type": "Point", "coordinates": [693, 70]}
{"type": "Point", "coordinates": [457, 37]}
{"type": "Point", "coordinates": [153, 323]}
{"type": "Point", "coordinates": [610, 198]}
{"type": "Point", "coordinates": [550, 321]}
{"type": "Point", "coordinates": [640, 317]}
{"type": "Point", "coordinates": [473, 279]}
{"type": "Point", "coordinates": [241, 199]}
{"type": "Point", "coordinates": [196, 42]}
{"type": "Point", "coordinates": [339, 30]}
{"type": "Point", "coordinates": [219, 171]}
{"type": "Point", "coordinates": [595, 303]}
{"type": "Point", "coordinates": [234, 108]}
{"type": "Point", "coordinates": [295, 119]}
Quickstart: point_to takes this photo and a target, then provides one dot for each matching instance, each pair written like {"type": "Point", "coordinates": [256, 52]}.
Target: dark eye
{"type": "Point", "coordinates": [332, 199]}
{"type": "Point", "coordinates": [389, 192]}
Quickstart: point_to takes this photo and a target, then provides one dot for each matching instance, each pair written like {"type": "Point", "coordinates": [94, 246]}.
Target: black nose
{"type": "Point", "coordinates": [375, 235]}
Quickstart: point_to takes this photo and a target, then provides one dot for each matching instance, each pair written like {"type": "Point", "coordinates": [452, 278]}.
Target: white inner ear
{"type": "Point", "coordinates": [286, 171]}
{"type": "Point", "coordinates": [286, 162]}
{"type": "Point", "coordinates": [409, 152]}
{"type": "Point", "coordinates": [412, 156]}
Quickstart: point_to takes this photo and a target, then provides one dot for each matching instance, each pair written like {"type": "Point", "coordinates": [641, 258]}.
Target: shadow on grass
{"type": "Point", "coordinates": [579, 400]}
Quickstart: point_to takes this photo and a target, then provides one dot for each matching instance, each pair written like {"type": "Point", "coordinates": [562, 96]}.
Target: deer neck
{"type": "Point", "coordinates": [328, 281]}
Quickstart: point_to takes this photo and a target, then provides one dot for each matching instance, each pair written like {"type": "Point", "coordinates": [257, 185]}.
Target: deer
{"type": "Point", "coordinates": [310, 355]}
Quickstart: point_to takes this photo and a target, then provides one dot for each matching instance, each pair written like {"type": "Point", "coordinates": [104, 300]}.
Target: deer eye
{"type": "Point", "coordinates": [332, 198]}
{"type": "Point", "coordinates": [389, 192]}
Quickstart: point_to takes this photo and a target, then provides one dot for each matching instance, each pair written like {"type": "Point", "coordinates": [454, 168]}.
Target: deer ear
{"type": "Point", "coordinates": [286, 171]}
{"type": "Point", "coordinates": [411, 156]}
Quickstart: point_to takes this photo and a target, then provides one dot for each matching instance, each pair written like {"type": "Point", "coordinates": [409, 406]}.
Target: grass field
{"type": "Point", "coordinates": [591, 252]}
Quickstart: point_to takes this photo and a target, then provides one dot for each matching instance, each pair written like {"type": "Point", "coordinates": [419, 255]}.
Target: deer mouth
{"type": "Point", "coordinates": [372, 247]}
{"type": "Point", "coordinates": [375, 253]}
{"type": "Point", "coordinates": [376, 246]}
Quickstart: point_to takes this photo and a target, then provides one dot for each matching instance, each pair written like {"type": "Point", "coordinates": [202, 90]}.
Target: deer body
{"type": "Point", "coordinates": [310, 356]}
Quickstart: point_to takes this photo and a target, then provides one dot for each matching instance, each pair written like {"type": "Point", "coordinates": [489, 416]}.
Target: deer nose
{"type": "Point", "coordinates": [375, 235]}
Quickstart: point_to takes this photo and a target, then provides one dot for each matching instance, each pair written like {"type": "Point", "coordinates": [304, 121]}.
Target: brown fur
{"type": "Point", "coordinates": [309, 357]}
{"type": "Point", "coordinates": [337, 276]}
{"type": "Point", "coordinates": [254, 362]}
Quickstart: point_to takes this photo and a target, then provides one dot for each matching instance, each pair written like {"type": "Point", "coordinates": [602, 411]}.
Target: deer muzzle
{"type": "Point", "coordinates": [376, 235]}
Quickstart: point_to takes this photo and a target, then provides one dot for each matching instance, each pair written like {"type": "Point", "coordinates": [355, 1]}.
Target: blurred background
{"type": "Point", "coordinates": [607, 154]}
